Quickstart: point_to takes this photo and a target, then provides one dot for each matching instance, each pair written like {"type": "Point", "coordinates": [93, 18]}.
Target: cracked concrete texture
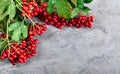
{"type": "Point", "coordinates": [78, 51]}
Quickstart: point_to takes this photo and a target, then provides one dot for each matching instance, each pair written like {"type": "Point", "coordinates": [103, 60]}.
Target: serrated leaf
{"type": "Point", "coordinates": [24, 31]}
{"type": "Point", "coordinates": [19, 31]}
{"type": "Point", "coordinates": [88, 1]}
{"type": "Point", "coordinates": [80, 4]}
{"type": "Point", "coordinates": [86, 10]}
{"type": "Point", "coordinates": [51, 5]}
{"type": "Point", "coordinates": [63, 8]}
{"type": "Point", "coordinates": [16, 36]}
{"type": "Point", "coordinates": [75, 12]}
{"type": "Point", "coordinates": [12, 10]}
{"type": "Point", "coordinates": [2, 16]}
{"type": "Point", "coordinates": [14, 26]}
{"type": "Point", "coordinates": [3, 25]}
{"type": "Point", "coordinates": [7, 8]}
{"type": "Point", "coordinates": [3, 5]}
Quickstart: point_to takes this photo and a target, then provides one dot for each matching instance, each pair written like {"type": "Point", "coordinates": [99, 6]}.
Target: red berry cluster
{"type": "Point", "coordinates": [81, 21]}
{"type": "Point", "coordinates": [37, 29]}
{"type": "Point", "coordinates": [59, 22]}
{"type": "Point", "coordinates": [29, 9]}
{"type": "Point", "coordinates": [20, 52]}
{"type": "Point", "coordinates": [32, 9]}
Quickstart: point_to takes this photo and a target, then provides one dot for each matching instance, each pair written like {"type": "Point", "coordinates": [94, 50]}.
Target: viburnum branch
{"type": "Point", "coordinates": [24, 13]}
{"type": "Point", "coordinates": [20, 44]}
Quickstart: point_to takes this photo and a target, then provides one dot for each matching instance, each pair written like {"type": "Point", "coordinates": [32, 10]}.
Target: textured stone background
{"type": "Point", "coordinates": [78, 51]}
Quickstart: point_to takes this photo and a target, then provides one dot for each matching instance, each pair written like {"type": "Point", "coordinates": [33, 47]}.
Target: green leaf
{"type": "Point", "coordinates": [16, 36]}
{"type": "Point", "coordinates": [3, 44]}
{"type": "Point", "coordinates": [63, 8]}
{"type": "Point", "coordinates": [80, 4]}
{"type": "Point", "coordinates": [14, 26]}
{"type": "Point", "coordinates": [88, 1]}
{"type": "Point", "coordinates": [86, 10]}
{"type": "Point", "coordinates": [12, 10]}
{"type": "Point", "coordinates": [7, 8]}
{"type": "Point", "coordinates": [24, 31]}
{"type": "Point", "coordinates": [3, 25]}
{"type": "Point", "coordinates": [19, 30]}
{"type": "Point", "coordinates": [3, 5]}
{"type": "Point", "coordinates": [2, 16]}
{"type": "Point", "coordinates": [75, 12]}
{"type": "Point", "coordinates": [51, 5]}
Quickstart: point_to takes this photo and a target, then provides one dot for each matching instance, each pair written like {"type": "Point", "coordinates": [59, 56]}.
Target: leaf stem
{"type": "Point", "coordinates": [7, 28]}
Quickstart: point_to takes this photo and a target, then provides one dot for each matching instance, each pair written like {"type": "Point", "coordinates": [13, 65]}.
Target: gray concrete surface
{"type": "Point", "coordinates": [78, 51]}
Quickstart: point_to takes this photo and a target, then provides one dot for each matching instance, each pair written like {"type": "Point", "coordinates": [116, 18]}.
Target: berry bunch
{"type": "Point", "coordinates": [37, 29]}
{"type": "Point", "coordinates": [59, 22]}
{"type": "Point", "coordinates": [29, 9]}
{"type": "Point", "coordinates": [32, 9]}
{"type": "Point", "coordinates": [20, 52]}
{"type": "Point", "coordinates": [81, 21]}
